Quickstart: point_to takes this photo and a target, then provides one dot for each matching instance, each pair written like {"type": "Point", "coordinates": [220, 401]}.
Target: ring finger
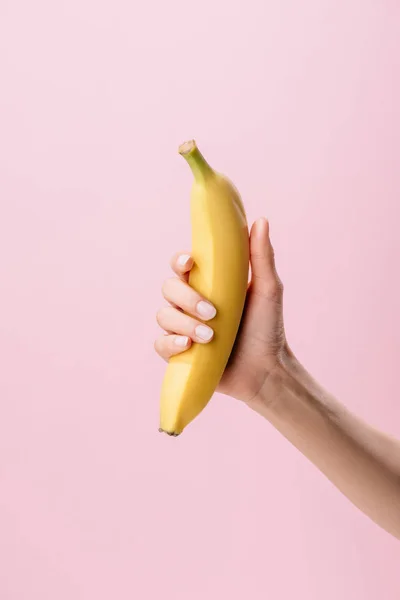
{"type": "Point", "coordinates": [172, 319]}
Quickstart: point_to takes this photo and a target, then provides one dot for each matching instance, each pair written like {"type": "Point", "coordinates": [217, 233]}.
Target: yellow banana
{"type": "Point", "coordinates": [220, 249]}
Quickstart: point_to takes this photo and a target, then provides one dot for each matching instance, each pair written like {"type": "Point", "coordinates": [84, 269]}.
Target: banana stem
{"type": "Point", "coordinates": [196, 161]}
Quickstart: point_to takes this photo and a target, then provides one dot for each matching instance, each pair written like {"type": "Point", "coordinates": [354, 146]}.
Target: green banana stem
{"type": "Point", "coordinates": [196, 161]}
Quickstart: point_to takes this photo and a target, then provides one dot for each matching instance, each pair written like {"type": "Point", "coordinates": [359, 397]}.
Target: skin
{"type": "Point", "coordinates": [362, 462]}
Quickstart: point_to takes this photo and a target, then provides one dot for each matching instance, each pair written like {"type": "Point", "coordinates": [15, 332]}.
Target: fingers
{"type": "Point", "coordinates": [265, 279]}
{"type": "Point", "coordinates": [172, 319]}
{"type": "Point", "coordinates": [179, 293]}
{"type": "Point", "coordinates": [170, 345]}
{"type": "Point", "coordinates": [181, 329]}
{"type": "Point", "coordinates": [181, 264]}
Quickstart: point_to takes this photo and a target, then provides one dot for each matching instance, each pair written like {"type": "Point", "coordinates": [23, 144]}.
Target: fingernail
{"type": "Point", "coordinates": [181, 340]}
{"type": "Point", "coordinates": [261, 224]}
{"type": "Point", "coordinates": [204, 333]}
{"type": "Point", "coordinates": [206, 309]}
{"type": "Point", "coordinates": [183, 259]}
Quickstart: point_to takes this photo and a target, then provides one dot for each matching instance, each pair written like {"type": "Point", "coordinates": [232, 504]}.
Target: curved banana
{"type": "Point", "coordinates": [220, 249]}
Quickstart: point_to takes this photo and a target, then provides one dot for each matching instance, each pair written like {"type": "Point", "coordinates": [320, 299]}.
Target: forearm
{"type": "Point", "coordinates": [362, 462]}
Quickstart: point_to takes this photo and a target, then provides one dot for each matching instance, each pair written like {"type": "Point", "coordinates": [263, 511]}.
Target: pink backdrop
{"type": "Point", "coordinates": [299, 103]}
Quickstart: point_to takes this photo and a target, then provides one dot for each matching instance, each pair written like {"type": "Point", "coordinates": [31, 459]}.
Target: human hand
{"type": "Point", "coordinates": [260, 343]}
{"type": "Point", "coordinates": [361, 461]}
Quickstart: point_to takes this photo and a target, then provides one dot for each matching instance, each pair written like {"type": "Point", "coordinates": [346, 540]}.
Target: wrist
{"type": "Point", "coordinates": [290, 396]}
{"type": "Point", "coordinates": [287, 378]}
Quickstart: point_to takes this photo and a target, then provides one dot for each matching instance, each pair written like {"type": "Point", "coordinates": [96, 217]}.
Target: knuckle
{"type": "Point", "coordinates": [157, 345]}
{"type": "Point", "coordinates": [258, 255]}
{"type": "Point", "coordinates": [274, 290]}
{"type": "Point", "coordinates": [160, 315]}
{"type": "Point", "coordinates": [166, 285]}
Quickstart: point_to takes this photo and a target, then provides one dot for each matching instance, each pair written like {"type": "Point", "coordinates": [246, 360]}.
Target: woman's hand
{"type": "Point", "coordinates": [262, 371]}
{"type": "Point", "coordinates": [261, 340]}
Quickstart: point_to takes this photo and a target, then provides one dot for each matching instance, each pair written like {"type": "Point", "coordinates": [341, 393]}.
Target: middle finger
{"type": "Point", "coordinates": [179, 293]}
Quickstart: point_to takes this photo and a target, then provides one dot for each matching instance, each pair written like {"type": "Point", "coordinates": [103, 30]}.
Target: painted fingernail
{"type": "Point", "coordinates": [183, 259]}
{"type": "Point", "coordinates": [206, 309]}
{"type": "Point", "coordinates": [204, 333]}
{"type": "Point", "coordinates": [181, 341]}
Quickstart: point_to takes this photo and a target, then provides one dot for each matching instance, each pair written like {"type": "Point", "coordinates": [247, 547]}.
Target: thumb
{"type": "Point", "coordinates": [265, 279]}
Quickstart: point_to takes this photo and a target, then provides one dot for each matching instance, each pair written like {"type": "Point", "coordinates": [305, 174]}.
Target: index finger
{"type": "Point", "coordinates": [181, 263]}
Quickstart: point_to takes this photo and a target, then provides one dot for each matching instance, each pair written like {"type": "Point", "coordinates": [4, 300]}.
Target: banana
{"type": "Point", "coordinates": [220, 249]}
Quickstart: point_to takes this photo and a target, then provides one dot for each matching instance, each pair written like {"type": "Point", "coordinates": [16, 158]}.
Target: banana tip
{"type": "Point", "coordinates": [187, 147]}
{"type": "Point", "coordinates": [170, 433]}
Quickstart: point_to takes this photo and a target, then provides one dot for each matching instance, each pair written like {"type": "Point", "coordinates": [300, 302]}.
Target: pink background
{"type": "Point", "coordinates": [299, 103]}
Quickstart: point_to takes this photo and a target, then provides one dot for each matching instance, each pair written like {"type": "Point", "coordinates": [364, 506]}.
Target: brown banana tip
{"type": "Point", "coordinates": [170, 433]}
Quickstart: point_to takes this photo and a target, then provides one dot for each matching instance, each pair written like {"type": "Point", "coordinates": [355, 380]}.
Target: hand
{"type": "Point", "coordinates": [263, 372]}
{"type": "Point", "coordinates": [261, 341]}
